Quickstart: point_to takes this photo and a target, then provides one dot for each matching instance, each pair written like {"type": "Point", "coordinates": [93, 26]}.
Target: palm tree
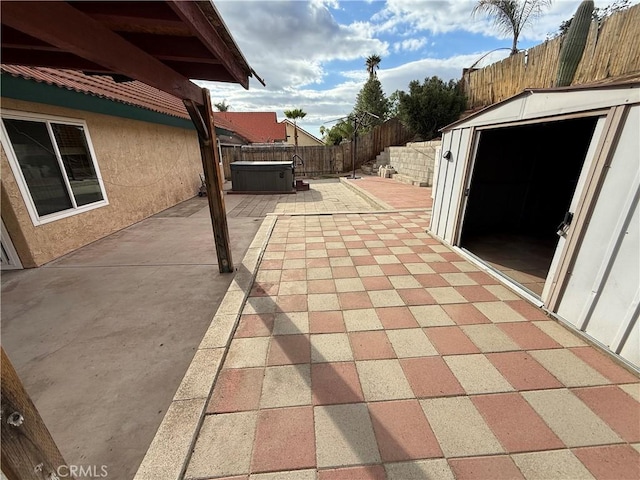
{"type": "Point", "coordinates": [511, 16]}
{"type": "Point", "coordinates": [222, 106]}
{"type": "Point", "coordinates": [295, 115]}
{"type": "Point", "coordinates": [373, 62]}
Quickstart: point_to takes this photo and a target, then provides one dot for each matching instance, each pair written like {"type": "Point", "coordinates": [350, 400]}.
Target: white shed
{"type": "Point", "coordinates": [542, 191]}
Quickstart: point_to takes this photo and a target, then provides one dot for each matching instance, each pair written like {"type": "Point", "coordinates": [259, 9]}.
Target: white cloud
{"type": "Point", "coordinates": [287, 42]}
{"type": "Point", "coordinates": [410, 45]}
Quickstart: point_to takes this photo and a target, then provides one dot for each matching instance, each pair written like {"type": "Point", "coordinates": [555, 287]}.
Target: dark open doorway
{"type": "Point", "coordinates": [522, 185]}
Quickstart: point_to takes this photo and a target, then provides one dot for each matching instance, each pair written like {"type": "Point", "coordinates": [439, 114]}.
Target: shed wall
{"type": "Point", "coordinates": [146, 168]}
{"type": "Point", "coordinates": [605, 279]}
{"type": "Point", "coordinates": [603, 292]}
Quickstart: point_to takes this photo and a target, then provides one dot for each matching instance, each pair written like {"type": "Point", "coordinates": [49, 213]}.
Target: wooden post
{"type": "Point", "coordinates": [28, 450]}
{"type": "Point", "coordinates": [202, 117]}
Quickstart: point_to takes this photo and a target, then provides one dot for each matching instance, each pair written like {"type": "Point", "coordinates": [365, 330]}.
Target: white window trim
{"type": "Point", "coordinates": [22, 183]}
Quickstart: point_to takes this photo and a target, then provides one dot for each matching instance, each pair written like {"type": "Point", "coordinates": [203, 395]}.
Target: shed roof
{"type": "Point", "coordinates": [540, 102]}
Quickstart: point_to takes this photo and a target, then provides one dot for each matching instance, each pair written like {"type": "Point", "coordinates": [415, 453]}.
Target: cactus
{"type": "Point", "coordinates": [574, 43]}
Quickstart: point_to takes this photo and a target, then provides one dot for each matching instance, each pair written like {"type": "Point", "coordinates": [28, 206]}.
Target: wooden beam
{"type": "Point", "coordinates": [28, 450]}
{"type": "Point", "coordinates": [191, 14]}
{"type": "Point", "coordinates": [67, 28]}
{"type": "Point", "coordinates": [202, 117]}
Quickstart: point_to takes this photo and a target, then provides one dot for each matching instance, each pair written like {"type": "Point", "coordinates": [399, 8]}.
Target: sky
{"type": "Point", "coordinates": [311, 53]}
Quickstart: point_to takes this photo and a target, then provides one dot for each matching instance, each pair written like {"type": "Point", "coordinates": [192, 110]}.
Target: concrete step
{"type": "Point", "coordinates": [410, 180]}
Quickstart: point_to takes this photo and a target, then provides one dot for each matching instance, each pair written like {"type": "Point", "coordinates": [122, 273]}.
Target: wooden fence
{"type": "Point", "coordinates": [612, 52]}
{"type": "Point", "coordinates": [323, 160]}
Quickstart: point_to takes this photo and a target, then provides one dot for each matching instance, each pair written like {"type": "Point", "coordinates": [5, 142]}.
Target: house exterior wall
{"type": "Point", "coordinates": [415, 160]}
{"type": "Point", "coordinates": [145, 168]}
{"type": "Point", "coordinates": [304, 139]}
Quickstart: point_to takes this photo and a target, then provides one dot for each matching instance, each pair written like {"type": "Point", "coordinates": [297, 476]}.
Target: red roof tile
{"type": "Point", "coordinates": [263, 126]}
{"type": "Point", "coordinates": [132, 93]}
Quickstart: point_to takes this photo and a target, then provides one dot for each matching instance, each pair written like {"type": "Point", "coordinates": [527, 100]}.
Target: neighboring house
{"type": "Point", "coordinates": [259, 127]}
{"type": "Point", "coordinates": [305, 139]}
{"type": "Point", "coordinates": [543, 191]}
{"type": "Point", "coordinates": [84, 156]}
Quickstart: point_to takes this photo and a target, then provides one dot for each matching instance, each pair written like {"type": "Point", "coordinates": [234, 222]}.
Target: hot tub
{"type": "Point", "coordinates": [262, 177]}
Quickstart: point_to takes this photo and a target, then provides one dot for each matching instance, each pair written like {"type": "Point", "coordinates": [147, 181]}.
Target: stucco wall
{"type": "Point", "coordinates": [415, 160]}
{"type": "Point", "coordinates": [145, 167]}
{"type": "Point", "coordinates": [304, 140]}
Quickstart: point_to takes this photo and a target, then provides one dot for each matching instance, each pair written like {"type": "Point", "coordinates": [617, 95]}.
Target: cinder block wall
{"type": "Point", "coordinates": [415, 160]}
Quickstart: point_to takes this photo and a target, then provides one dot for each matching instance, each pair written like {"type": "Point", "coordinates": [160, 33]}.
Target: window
{"type": "Point", "coordinates": [53, 162]}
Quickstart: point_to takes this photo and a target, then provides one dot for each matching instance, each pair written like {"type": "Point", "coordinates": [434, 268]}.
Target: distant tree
{"type": "Point", "coordinates": [431, 105]}
{"type": "Point", "coordinates": [371, 98]}
{"type": "Point", "coordinates": [222, 106]}
{"type": "Point", "coordinates": [394, 104]}
{"type": "Point", "coordinates": [340, 132]}
{"type": "Point", "coordinates": [373, 63]}
{"type": "Point", "coordinates": [599, 14]}
{"type": "Point", "coordinates": [295, 115]}
{"type": "Point", "coordinates": [511, 16]}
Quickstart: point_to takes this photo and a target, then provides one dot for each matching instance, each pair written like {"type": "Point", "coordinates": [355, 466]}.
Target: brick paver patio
{"type": "Point", "coordinates": [355, 346]}
{"type": "Point", "coordinates": [368, 350]}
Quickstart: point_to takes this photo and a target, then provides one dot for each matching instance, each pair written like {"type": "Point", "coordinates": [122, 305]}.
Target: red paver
{"type": "Point", "coordinates": [615, 462]}
{"type": "Point", "coordinates": [295, 275]}
{"type": "Point", "coordinates": [603, 364]}
{"type": "Point", "coordinates": [515, 423]}
{"type": "Point", "coordinates": [482, 278]}
{"type": "Point", "coordinates": [289, 350]}
{"type": "Point", "coordinates": [615, 407]}
{"type": "Point", "coordinates": [416, 296]}
{"type": "Point", "coordinates": [317, 262]}
{"type": "Point", "coordinates": [255, 325]}
{"type": "Point", "coordinates": [522, 371]}
{"type": "Point", "coordinates": [402, 431]}
{"type": "Point", "coordinates": [394, 269]}
{"type": "Point", "coordinates": [396, 194]}
{"type": "Point", "coordinates": [528, 336]}
{"type": "Point", "coordinates": [370, 472]}
{"type": "Point", "coordinates": [364, 260]}
{"type": "Point", "coordinates": [528, 311]}
{"type": "Point", "coordinates": [344, 272]}
{"type": "Point", "coordinates": [371, 345]}
{"type": "Point", "coordinates": [444, 267]}
{"type": "Point", "coordinates": [354, 300]}
{"type": "Point", "coordinates": [476, 293]}
{"type": "Point", "coordinates": [396, 317]}
{"type": "Point", "coordinates": [376, 283]}
{"type": "Point", "coordinates": [292, 303]}
{"type": "Point", "coordinates": [430, 377]}
{"type": "Point", "coordinates": [236, 389]}
{"type": "Point", "coordinates": [489, 468]}
{"type": "Point", "coordinates": [285, 440]}
{"type": "Point", "coordinates": [321, 286]}
{"type": "Point", "coordinates": [465, 314]}
{"type": "Point", "coordinates": [431, 280]}
{"type": "Point", "coordinates": [450, 341]}
{"type": "Point", "coordinates": [326, 322]}
{"type": "Point", "coordinates": [264, 290]}
{"type": "Point", "coordinates": [334, 383]}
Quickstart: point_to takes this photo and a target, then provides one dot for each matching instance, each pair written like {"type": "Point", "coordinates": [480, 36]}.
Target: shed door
{"type": "Point", "coordinates": [524, 182]}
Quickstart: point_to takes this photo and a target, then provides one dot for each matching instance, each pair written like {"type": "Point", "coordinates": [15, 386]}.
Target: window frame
{"type": "Point", "coordinates": [22, 183]}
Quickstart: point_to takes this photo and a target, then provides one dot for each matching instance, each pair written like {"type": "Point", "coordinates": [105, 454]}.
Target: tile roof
{"type": "Point", "coordinates": [264, 126]}
{"type": "Point", "coordinates": [133, 93]}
